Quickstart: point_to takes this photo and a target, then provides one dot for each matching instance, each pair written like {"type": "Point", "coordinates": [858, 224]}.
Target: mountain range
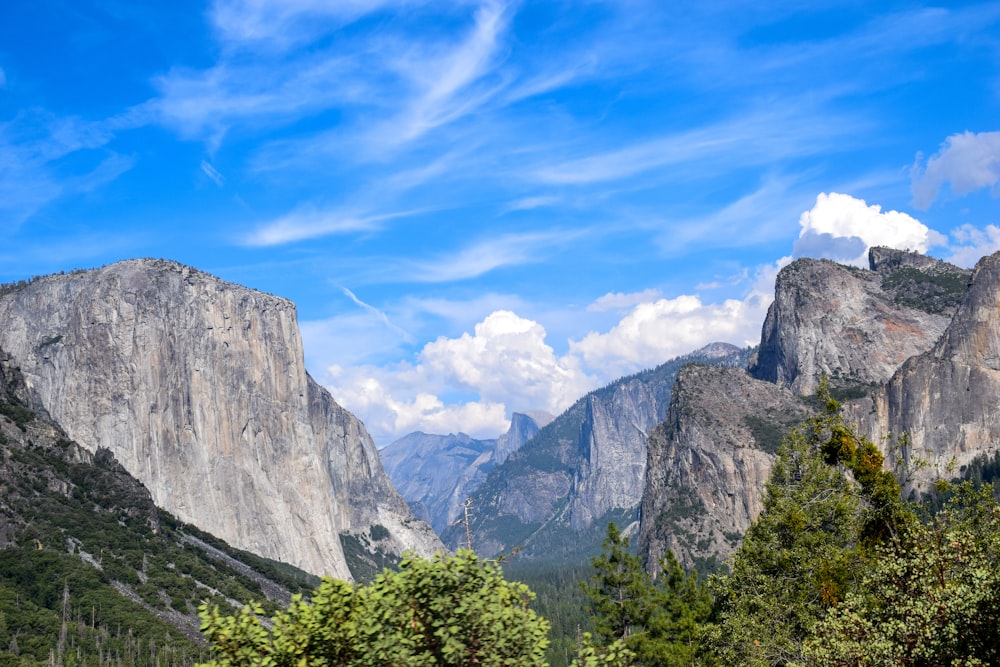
{"type": "Point", "coordinates": [161, 438]}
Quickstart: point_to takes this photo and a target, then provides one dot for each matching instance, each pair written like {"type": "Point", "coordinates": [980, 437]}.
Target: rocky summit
{"type": "Point", "coordinates": [552, 498]}
{"type": "Point", "coordinates": [437, 473]}
{"type": "Point", "coordinates": [198, 387]}
{"type": "Point", "coordinates": [907, 345]}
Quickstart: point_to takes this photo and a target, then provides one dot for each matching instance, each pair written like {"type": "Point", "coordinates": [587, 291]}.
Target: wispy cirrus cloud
{"type": "Point", "coordinates": [445, 84]}
{"type": "Point", "coordinates": [486, 256]}
{"type": "Point", "coordinates": [310, 222]}
{"type": "Point", "coordinates": [753, 138]}
{"type": "Point", "coordinates": [279, 25]}
{"type": "Point", "coordinates": [33, 149]}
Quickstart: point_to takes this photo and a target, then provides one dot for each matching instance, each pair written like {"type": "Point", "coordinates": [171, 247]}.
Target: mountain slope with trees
{"type": "Point", "coordinates": [91, 571]}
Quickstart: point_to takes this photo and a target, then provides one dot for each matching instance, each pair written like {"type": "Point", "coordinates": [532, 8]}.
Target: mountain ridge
{"type": "Point", "coordinates": [199, 388]}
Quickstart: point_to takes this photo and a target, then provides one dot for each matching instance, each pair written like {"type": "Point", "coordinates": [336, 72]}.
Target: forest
{"type": "Point", "coordinates": [839, 569]}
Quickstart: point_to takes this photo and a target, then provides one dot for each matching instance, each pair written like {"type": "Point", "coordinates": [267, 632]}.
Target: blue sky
{"type": "Point", "coordinates": [482, 207]}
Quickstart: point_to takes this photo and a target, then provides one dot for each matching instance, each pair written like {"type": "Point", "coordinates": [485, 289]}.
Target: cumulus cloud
{"type": "Point", "coordinates": [652, 333]}
{"type": "Point", "coordinates": [389, 412]}
{"type": "Point", "coordinates": [507, 358]}
{"type": "Point", "coordinates": [504, 362]}
{"type": "Point", "coordinates": [967, 162]}
{"type": "Point", "coordinates": [971, 243]}
{"type": "Point", "coordinates": [843, 228]}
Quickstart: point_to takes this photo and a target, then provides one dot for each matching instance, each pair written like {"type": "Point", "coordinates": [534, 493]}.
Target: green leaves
{"type": "Point", "coordinates": [931, 596]}
{"type": "Point", "coordinates": [455, 610]}
{"type": "Point", "coordinates": [640, 621]}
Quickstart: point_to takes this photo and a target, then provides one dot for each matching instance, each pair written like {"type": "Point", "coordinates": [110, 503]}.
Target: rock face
{"type": "Point", "coordinates": [709, 462]}
{"type": "Point", "coordinates": [523, 427]}
{"type": "Point", "coordinates": [946, 399]}
{"type": "Point", "coordinates": [437, 473]}
{"type": "Point", "coordinates": [855, 326]}
{"type": "Point", "coordinates": [553, 495]}
{"type": "Point", "coordinates": [199, 389]}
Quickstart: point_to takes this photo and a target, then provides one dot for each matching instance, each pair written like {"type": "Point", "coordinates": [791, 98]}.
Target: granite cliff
{"type": "Point", "coordinates": [945, 399]}
{"type": "Point", "coordinates": [854, 326]}
{"type": "Point", "coordinates": [709, 460]}
{"type": "Point", "coordinates": [198, 387]}
{"type": "Point", "coordinates": [553, 496]}
{"type": "Point", "coordinates": [436, 473]}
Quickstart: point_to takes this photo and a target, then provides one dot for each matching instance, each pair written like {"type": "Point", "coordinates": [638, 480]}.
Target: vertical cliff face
{"type": "Point", "coordinates": [199, 389]}
{"type": "Point", "coordinates": [709, 462]}
{"type": "Point", "coordinates": [613, 448]}
{"type": "Point", "coordinates": [437, 473]}
{"type": "Point", "coordinates": [554, 494]}
{"type": "Point", "coordinates": [855, 326]}
{"type": "Point", "coordinates": [946, 399]}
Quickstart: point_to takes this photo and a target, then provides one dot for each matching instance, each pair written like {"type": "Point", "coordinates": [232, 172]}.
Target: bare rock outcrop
{"type": "Point", "coordinates": [199, 388]}
{"type": "Point", "coordinates": [946, 400]}
{"type": "Point", "coordinates": [855, 326]}
{"type": "Point", "coordinates": [709, 462]}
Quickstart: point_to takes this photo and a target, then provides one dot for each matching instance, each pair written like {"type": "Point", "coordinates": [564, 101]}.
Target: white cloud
{"type": "Point", "coordinates": [843, 228]}
{"type": "Point", "coordinates": [751, 138]}
{"type": "Point", "coordinates": [388, 417]}
{"type": "Point", "coordinates": [281, 24]}
{"type": "Point", "coordinates": [618, 300]}
{"type": "Point", "coordinates": [966, 161]}
{"type": "Point", "coordinates": [652, 333]}
{"type": "Point", "coordinates": [507, 359]}
{"type": "Point", "coordinates": [445, 83]}
{"type": "Point", "coordinates": [481, 258]}
{"type": "Point", "coordinates": [505, 362]}
{"type": "Point", "coordinates": [308, 222]}
{"type": "Point", "coordinates": [971, 244]}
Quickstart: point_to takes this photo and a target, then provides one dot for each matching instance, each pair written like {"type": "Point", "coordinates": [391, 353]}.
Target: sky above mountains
{"type": "Point", "coordinates": [482, 207]}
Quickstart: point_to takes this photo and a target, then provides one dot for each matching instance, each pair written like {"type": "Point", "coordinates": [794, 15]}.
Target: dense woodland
{"type": "Point", "coordinates": [838, 570]}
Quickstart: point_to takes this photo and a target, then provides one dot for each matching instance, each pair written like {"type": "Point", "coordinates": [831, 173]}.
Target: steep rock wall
{"type": "Point", "coordinates": [947, 400]}
{"type": "Point", "coordinates": [855, 326]}
{"type": "Point", "coordinates": [709, 462]}
{"type": "Point", "coordinates": [199, 389]}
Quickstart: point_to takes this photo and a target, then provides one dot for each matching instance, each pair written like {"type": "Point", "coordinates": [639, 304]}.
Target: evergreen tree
{"type": "Point", "coordinates": [931, 597]}
{"type": "Point", "coordinates": [660, 623]}
{"type": "Point", "coordinates": [619, 590]}
{"type": "Point", "coordinates": [795, 562]}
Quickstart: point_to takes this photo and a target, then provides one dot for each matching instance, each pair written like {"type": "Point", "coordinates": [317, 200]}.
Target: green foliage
{"type": "Point", "coordinates": [560, 600]}
{"type": "Point", "coordinates": [795, 562]}
{"type": "Point", "coordinates": [659, 623]}
{"type": "Point", "coordinates": [931, 292]}
{"type": "Point", "coordinates": [455, 610]}
{"type": "Point", "coordinates": [931, 597]}
{"type": "Point", "coordinates": [590, 654]}
{"type": "Point", "coordinates": [16, 412]}
{"type": "Point", "coordinates": [841, 445]}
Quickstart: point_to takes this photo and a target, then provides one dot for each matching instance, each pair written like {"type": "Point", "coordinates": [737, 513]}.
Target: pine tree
{"type": "Point", "coordinates": [661, 623]}
{"type": "Point", "coordinates": [795, 562]}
